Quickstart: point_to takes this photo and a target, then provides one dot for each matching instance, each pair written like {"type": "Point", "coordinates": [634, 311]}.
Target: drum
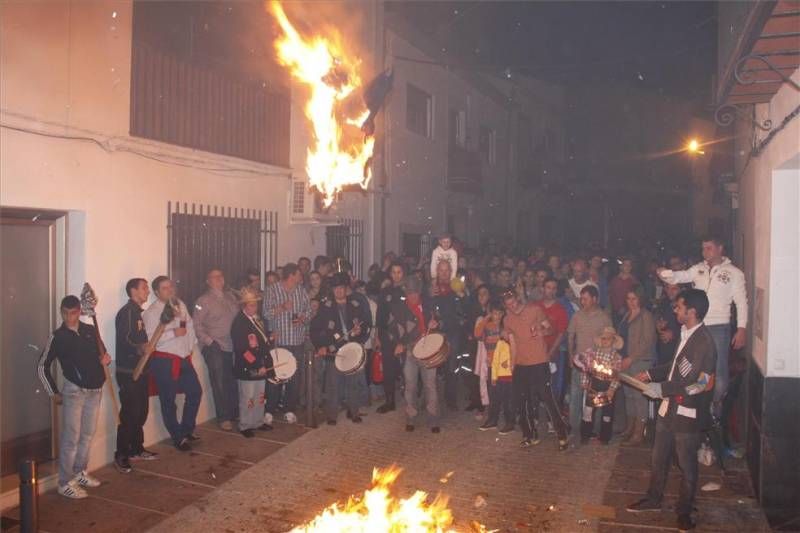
{"type": "Point", "coordinates": [284, 364]}
{"type": "Point", "coordinates": [431, 350]}
{"type": "Point", "coordinates": [350, 358]}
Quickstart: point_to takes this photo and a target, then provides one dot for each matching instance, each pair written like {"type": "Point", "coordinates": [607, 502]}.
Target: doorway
{"type": "Point", "coordinates": [28, 277]}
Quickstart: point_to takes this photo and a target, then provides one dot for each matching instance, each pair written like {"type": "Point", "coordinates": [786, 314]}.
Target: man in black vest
{"type": "Point", "coordinates": [392, 364]}
{"type": "Point", "coordinates": [686, 385]}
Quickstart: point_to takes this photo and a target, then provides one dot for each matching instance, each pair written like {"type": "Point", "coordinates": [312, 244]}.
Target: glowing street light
{"type": "Point", "coordinates": [694, 147]}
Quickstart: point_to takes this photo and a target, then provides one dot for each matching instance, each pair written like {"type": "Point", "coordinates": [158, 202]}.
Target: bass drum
{"type": "Point", "coordinates": [350, 358]}
{"type": "Point", "coordinates": [284, 364]}
{"type": "Point", "coordinates": [431, 350]}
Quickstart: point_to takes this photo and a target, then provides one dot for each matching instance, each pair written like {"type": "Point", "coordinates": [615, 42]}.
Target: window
{"type": "Point", "coordinates": [457, 134]}
{"type": "Point", "coordinates": [347, 241]}
{"type": "Point", "coordinates": [298, 197]}
{"type": "Point", "coordinates": [419, 111]}
{"type": "Point", "coordinates": [488, 144]}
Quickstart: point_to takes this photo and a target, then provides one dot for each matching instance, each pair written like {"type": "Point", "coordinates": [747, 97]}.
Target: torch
{"type": "Point", "coordinates": [88, 306]}
{"type": "Point", "coordinates": [167, 316]}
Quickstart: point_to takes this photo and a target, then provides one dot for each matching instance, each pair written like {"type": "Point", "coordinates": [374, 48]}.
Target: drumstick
{"type": "Point", "coordinates": [277, 366]}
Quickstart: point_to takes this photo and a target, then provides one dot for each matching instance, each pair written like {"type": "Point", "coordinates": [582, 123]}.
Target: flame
{"type": "Point", "coordinates": [377, 510]}
{"type": "Point", "coordinates": [337, 155]}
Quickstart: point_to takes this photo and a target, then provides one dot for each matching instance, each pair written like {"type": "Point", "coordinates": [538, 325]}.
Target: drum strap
{"type": "Point", "coordinates": [257, 324]}
{"type": "Point", "coordinates": [343, 321]}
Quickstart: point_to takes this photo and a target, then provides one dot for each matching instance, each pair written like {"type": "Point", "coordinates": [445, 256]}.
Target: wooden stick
{"type": "Point", "coordinates": [149, 348]}
{"type": "Point", "coordinates": [632, 381]}
{"type": "Point", "coordinates": [101, 349]}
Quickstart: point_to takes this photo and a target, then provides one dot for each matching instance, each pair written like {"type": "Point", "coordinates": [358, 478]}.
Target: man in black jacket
{"type": "Point", "coordinates": [448, 308]}
{"type": "Point", "coordinates": [686, 385]}
{"type": "Point", "coordinates": [340, 320]}
{"type": "Point", "coordinates": [392, 366]}
{"type": "Point", "coordinates": [134, 398]}
{"type": "Point", "coordinates": [75, 346]}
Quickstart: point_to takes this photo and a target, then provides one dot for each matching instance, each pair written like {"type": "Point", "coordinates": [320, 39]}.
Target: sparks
{"type": "Point", "coordinates": [338, 155]}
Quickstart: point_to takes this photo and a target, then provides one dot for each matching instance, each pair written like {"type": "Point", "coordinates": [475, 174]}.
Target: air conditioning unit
{"type": "Point", "coordinates": [305, 206]}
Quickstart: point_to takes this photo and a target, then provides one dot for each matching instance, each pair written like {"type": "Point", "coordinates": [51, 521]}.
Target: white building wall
{"type": "Point", "coordinates": [66, 71]}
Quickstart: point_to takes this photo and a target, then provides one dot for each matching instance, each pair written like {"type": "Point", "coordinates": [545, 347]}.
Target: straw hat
{"type": "Point", "coordinates": [609, 332]}
{"type": "Point", "coordinates": [249, 295]}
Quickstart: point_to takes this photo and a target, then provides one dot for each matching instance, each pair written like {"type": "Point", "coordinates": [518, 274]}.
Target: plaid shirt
{"type": "Point", "coordinates": [280, 321]}
{"type": "Point", "coordinates": [609, 359]}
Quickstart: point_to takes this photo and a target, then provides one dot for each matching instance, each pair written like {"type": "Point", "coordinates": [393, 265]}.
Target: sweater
{"type": "Point", "coordinates": [449, 255]}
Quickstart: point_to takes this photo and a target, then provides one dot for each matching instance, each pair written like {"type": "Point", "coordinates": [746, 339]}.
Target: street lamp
{"type": "Point", "coordinates": [694, 147]}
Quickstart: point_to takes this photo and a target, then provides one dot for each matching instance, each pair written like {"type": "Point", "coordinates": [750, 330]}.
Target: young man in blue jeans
{"type": "Point", "coordinates": [75, 346]}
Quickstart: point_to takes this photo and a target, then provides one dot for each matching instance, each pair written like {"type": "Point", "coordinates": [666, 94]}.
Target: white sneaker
{"type": "Point", "coordinates": [268, 419]}
{"type": "Point", "coordinates": [85, 480]}
{"type": "Point", "coordinates": [290, 418]}
{"type": "Point", "coordinates": [72, 490]}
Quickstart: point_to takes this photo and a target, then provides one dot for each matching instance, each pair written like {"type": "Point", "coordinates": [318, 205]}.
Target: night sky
{"type": "Point", "coordinates": [668, 47]}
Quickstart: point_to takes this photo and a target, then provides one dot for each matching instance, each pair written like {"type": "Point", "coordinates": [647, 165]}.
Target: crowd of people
{"type": "Point", "coordinates": [536, 340]}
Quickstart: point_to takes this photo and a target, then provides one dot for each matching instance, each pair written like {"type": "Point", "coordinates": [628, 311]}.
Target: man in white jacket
{"type": "Point", "coordinates": [725, 285]}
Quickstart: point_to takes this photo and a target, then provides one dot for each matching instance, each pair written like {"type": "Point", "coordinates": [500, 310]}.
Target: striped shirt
{"type": "Point", "coordinates": [279, 319]}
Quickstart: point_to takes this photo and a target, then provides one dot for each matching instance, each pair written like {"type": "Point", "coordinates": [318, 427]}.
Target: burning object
{"type": "Point", "coordinates": [339, 108]}
{"type": "Point", "coordinates": [377, 510]}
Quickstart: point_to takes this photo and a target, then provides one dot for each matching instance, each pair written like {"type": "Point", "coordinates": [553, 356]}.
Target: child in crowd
{"type": "Point", "coordinates": [444, 252]}
{"type": "Point", "coordinates": [498, 352]}
{"type": "Point", "coordinates": [600, 365]}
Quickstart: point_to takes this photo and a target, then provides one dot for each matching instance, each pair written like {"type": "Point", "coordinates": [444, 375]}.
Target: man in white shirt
{"type": "Point", "coordinates": [724, 284]}
{"type": "Point", "coordinates": [171, 363]}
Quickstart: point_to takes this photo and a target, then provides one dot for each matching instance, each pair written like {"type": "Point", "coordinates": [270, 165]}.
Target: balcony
{"type": "Point", "coordinates": [464, 171]}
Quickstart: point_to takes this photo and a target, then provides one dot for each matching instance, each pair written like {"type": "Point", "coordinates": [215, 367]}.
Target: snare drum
{"type": "Point", "coordinates": [431, 350]}
{"type": "Point", "coordinates": [350, 358]}
{"type": "Point", "coordinates": [284, 364]}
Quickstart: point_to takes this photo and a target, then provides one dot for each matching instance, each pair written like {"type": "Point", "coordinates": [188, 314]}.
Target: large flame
{"type": "Point", "coordinates": [378, 511]}
{"type": "Point", "coordinates": [338, 155]}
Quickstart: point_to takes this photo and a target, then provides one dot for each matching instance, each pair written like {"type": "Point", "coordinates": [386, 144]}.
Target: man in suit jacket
{"type": "Point", "coordinates": [686, 385]}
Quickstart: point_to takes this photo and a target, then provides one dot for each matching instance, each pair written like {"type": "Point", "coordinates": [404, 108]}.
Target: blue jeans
{"type": "Point", "coordinates": [167, 389]}
{"type": "Point", "coordinates": [80, 410]}
{"type": "Point", "coordinates": [223, 383]}
{"type": "Point", "coordinates": [721, 334]}
{"type": "Point", "coordinates": [413, 371]}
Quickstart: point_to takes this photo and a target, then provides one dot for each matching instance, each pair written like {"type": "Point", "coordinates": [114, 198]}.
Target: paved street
{"type": "Point", "coordinates": [284, 478]}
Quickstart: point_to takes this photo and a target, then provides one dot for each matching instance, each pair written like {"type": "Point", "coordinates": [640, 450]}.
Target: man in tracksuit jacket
{"type": "Point", "coordinates": [685, 384]}
{"type": "Point", "coordinates": [75, 346]}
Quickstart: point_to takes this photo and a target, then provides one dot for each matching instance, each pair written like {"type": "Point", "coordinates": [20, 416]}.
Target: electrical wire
{"type": "Point", "coordinates": [166, 159]}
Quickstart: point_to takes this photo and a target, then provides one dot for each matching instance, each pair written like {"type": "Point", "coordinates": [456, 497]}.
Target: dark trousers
{"type": "Point", "coordinates": [684, 446]}
{"type": "Point", "coordinates": [471, 380]}
{"type": "Point", "coordinates": [223, 385]}
{"type": "Point", "coordinates": [531, 385]}
{"type": "Point", "coordinates": [500, 400]}
{"type": "Point", "coordinates": [291, 388]}
{"type": "Point", "coordinates": [188, 383]}
{"type": "Point", "coordinates": [392, 370]}
{"type": "Point", "coordinates": [451, 371]}
{"type": "Point", "coordinates": [606, 420]}
{"type": "Point", "coordinates": [134, 405]}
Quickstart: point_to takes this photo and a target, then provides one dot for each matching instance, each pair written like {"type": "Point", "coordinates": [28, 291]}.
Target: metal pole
{"type": "Point", "coordinates": [310, 407]}
{"type": "Point", "coordinates": [28, 497]}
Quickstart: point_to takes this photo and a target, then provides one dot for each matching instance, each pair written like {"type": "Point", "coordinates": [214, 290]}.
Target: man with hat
{"type": "Point", "coordinates": [408, 319]}
{"type": "Point", "coordinates": [599, 367]}
{"type": "Point", "coordinates": [341, 319]}
{"type": "Point", "coordinates": [252, 363]}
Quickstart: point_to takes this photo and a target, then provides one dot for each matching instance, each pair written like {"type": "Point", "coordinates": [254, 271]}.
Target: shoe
{"type": "Point", "coordinates": [122, 464]}
{"type": "Point", "coordinates": [226, 425]}
{"type": "Point", "coordinates": [290, 418]}
{"type": "Point", "coordinates": [144, 455]}
{"type": "Point", "coordinates": [685, 523]}
{"type": "Point", "coordinates": [385, 408]}
{"type": "Point", "coordinates": [72, 490]}
{"type": "Point", "coordinates": [248, 433]}
{"type": "Point", "coordinates": [643, 505]}
{"type": "Point", "coordinates": [356, 419]}
{"type": "Point", "coordinates": [183, 445]}
{"type": "Point", "coordinates": [191, 437]}
{"type": "Point", "coordinates": [331, 422]}
{"type": "Point", "coordinates": [487, 426]}
{"type": "Point", "coordinates": [409, 427]}
{"type": "Point", "coordinates": [563, 444]}
{"type": "Point", "coordinates": [436, 429]}
{"type": "Point", "coordinates": [85, 480]}
{"type": "Point", "coordinates": [526, 443]}
{"type": "Point", "coordinates": [268, 419]}
{"type": "Point", "coordinates": [505, 430]}
{"type": "Point", "coordinates": [535, 440]}
{"type": "Point", "coordinates": [550, 428]}
{"type": "Point", "coordinates": [264, 427]}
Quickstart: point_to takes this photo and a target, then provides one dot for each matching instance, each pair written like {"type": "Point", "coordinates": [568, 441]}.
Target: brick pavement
{"type": "Point", "coordinates": [328, 464]}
